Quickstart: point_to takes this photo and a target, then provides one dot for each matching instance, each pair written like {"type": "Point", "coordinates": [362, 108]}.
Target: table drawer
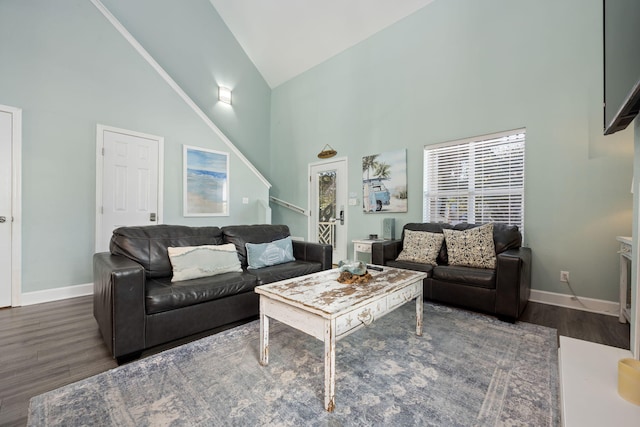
{"type": "Point", "coordinates": [363, 315]}
{"type": "Point", "coordinates": [362, 247]}
{"type": "Point", "coordinates": [404, 295]}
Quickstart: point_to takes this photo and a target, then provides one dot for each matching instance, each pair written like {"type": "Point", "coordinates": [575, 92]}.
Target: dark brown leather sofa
{"type": "Point", "coordinates": [503, 291]}
{"type": "Point", "coordinates": [138, 307]}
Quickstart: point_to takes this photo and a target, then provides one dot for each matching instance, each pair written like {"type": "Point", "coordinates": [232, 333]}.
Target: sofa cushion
{"type": "Point", "coordinates": [147, 245]}
{"type": "Point", "coordinates": [471, 248]}
{"type": "Point", "coordinates": [162, 295]}
{"type": "Point", "coordinates": [410, 265]}
{"type": "Point", "coordinates": [192, 262]}
{"type": "Point", "coordinates": [265, 254]}
{"type": "Point", "coordinates": [505, 236]}
{"type": "Point", "coordinates": [471, 276]}
{"type": "Point", "coordinates": [240, 235]}
{"type": "Point", "coordinates": [420, 246]}
{"type": "Point", "coordinates": [431, 227]}
{"type": "Point", "coordinates": [284, 271]}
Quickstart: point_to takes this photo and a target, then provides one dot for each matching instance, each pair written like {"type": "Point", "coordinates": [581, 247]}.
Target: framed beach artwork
{"type": "Point", "coordinates": [384, 182]}
{"type": "Point", "coordinates": [205, 182]}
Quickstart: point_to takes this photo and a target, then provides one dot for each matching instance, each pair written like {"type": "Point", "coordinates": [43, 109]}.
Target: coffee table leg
{"type": "Point", "coordinates": [419, 314]}
{"type": "Point", "coordinates": [264, 338]}
{"type": "Point", "coordinates": [330, 365]}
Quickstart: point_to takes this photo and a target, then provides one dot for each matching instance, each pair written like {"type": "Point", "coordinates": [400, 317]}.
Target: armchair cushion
{"type": "Point", "coordinates": [480, 277]}
{"type": "Point", "coordinates": [410, 265]}
{"type": "Point", "coordinates": [431, 228]}
{"type": "Point", "coordinates": [421, 247]}
{"type": "Point", "coordinates": [471, 248]}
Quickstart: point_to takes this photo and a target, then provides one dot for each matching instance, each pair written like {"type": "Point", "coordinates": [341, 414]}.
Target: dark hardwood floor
{"type": "Point", "coordinates": [46, 346]}
{"type": "Point", "coordinates": [598, 328]}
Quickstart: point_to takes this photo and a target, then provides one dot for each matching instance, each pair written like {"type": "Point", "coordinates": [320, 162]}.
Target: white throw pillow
{"type": "Point", "coordinates": [192, 262]}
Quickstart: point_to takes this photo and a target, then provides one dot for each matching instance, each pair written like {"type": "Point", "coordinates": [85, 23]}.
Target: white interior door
{"type": "Point", "coordinates": [10, 124]}
{"type": "Point", "coordinates": [328, 204]}
{"type": "Point", "coordinates": [129, 187]}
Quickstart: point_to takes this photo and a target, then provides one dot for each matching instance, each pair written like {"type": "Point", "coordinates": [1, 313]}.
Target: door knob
{"type": "Point", "coordinates": [3, 218]}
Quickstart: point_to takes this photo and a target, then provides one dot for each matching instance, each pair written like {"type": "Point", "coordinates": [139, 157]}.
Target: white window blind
{"type": "Point", "coordinates": [476, 180]}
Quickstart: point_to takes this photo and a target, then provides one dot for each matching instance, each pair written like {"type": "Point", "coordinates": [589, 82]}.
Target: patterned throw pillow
{"type": "Point", "coordinates": [266, 254]}
{"type": "Point", "coordinates": [192, 262]}
{"type": "Point", "coordinates": [471, 248]}
{"type": "Point", "coordinates": [420, 246]}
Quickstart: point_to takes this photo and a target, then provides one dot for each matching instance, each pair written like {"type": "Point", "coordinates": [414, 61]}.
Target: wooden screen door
{"type": "Point", "coordinates": [328, 203]}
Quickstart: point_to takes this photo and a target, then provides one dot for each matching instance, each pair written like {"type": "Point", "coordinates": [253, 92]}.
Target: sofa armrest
{"type": "Point", "coordinates": [119, 303]}
{"type": "Point", "coordinates": [513, 282]}
{"type": "Point", "coordinates": [314, 252]}
{"type": "Point", "coordinates": [381, 252]}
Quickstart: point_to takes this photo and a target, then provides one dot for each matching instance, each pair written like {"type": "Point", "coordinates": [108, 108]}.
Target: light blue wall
{"type": "Point", "coordinates": [69, 70]}
{"type": "Point", "coordinates": [455, 69]}
{"type": "Point", "coordinates": [193, 44]}
{"type": "Point", "coordinates": [461, 68]}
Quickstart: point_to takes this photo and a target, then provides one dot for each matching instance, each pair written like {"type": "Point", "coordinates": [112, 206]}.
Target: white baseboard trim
{"type": "Point", "coordinates": [609, 308]}
{"type": "Point", "coordinates": [56, 294]}
{"type": "Point", "coordinates": [592, 305]}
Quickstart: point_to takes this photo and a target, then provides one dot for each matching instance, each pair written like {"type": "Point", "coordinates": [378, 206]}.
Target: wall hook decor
{"type": "Point", "coordinates": [327, 152]}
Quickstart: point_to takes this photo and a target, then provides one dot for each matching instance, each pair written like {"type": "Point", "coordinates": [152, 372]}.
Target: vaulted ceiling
{"type": "Point", "coordinates": [284, 38]}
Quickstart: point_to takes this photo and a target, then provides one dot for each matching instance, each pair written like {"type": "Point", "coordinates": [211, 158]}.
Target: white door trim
{"type": "Point", "coordinates": [100, 129]}
{"type": "Point", "coordinates": [16, 203]}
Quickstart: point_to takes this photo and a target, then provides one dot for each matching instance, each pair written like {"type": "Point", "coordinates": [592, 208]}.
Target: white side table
{"type": "Point", "coordinates": [363, 246]}
{"type": "Point", "coordinates": [625, 262]}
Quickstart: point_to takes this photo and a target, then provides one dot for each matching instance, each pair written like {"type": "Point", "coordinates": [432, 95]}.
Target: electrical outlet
{"type": "Point", "coordinates": [564, 276]}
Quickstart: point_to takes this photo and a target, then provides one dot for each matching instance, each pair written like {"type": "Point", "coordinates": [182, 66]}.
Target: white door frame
{"type": "Point", "coordinates": [311, 232]}
{"type": "Point", "coordinates": [16, 203]}
{"type": "Point", "coordinates": [100, 129]}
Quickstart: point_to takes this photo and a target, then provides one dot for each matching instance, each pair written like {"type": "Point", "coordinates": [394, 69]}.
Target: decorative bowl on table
{"type": "Point", "coordinates": [353, 272]}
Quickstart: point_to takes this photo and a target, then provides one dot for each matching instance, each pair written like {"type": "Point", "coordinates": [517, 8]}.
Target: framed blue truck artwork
{"type": "Point", "coordinates": [384, 182]}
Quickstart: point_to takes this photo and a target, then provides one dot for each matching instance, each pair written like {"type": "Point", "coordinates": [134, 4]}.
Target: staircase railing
{"type": "Point", "coordinates": [289, 206]}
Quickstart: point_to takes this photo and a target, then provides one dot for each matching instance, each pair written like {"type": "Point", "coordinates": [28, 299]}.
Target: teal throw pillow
{"type": "Point", "coordinates": [266, 254]}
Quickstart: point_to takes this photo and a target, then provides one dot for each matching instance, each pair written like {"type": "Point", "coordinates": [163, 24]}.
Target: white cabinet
{"type": "Point", "coordinates": [363, 246]}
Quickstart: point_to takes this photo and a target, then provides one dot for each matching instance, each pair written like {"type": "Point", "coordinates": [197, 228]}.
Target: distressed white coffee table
{"type": "Point", "coordinates": [320, 306]}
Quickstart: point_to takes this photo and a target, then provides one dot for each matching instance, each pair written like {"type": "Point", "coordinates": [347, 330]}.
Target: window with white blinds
{"type": "Point", "coordinates": [476, 180]}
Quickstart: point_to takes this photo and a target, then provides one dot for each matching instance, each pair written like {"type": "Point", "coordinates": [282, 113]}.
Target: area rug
{"type": "Point", "coordinates": [466, 370]}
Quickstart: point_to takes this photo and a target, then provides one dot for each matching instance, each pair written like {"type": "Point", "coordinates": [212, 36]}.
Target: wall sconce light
{"type": "Point", "coordinates": [224, 94]}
